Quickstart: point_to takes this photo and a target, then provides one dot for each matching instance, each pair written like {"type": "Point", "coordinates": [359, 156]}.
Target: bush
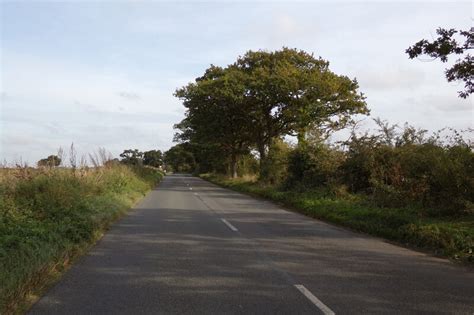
{"type": "Point", "coordinates": [398, 173]}
{"type": "Point", "coordinates": [275, 168]}
{"type": "Point", "coordinates": [314, 166]}
{"type": "Point", "coordinates": [248, 165]}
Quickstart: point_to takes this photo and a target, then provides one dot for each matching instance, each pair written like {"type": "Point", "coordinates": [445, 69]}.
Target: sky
{"type": "Point", "coordinates": [102, 74]}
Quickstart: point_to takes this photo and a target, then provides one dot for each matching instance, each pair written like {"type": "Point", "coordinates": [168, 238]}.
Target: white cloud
{"type": "Point", "coordinates": [129, 96]}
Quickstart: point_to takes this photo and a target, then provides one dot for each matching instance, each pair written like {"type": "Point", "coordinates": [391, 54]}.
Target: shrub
{"type": "Point", "coordinates": [424, 174]}
{"type": "Point", "coordinates": [248, 165]}
{"type": "Point", "coordinates": [275, 168]}
{"type": "Point", "coordinates": [314, 166]}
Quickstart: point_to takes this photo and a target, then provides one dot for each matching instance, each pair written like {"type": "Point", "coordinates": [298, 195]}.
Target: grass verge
{"type": "Point", "coordinates": [443, 236]}
{"type": "Point", "coordinates": [49, 217]}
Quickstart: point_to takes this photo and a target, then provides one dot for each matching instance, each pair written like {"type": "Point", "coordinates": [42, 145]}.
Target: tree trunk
{"type": "Point", "coordinates": [233, 165]}
{"type": "Point", "coordinates": [262, 153]}
{"type": "Point", "coordinates": [302, 142]}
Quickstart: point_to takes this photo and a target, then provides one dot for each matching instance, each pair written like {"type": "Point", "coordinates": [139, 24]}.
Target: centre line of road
{"type": "Point", "coordinates": [190, 188]}
{"type": "Point", "coordinates": [326, 310]}
{"type": "Point", "coordinates": [230, 226]}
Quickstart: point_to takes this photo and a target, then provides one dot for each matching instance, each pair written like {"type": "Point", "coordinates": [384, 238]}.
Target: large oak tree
{"type": "Point", "coordinates": [263, 96]}
{"type": "Point", "coordinates": [290, 91]}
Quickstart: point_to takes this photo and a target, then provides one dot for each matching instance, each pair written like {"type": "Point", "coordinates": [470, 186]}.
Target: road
{"type": "Point", "coordinates": [190, 247]}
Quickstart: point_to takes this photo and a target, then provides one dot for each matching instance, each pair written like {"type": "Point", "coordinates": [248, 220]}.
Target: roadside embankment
{"type": "Point", "coordinates": [451, 237]}
{"type": "Point", "coordinates": [50, 216]}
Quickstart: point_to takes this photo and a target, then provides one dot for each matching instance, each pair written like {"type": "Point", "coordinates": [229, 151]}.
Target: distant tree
{"type": "Point", "coordinates": [181, 158]}
{"type": "Point", "coordinates": [132, 157]}
{"type": "Point", "coordinates": [446, 45]}
{"type": "Point", "coordinates": [50, 161]}
{"type": "Point", "coordinates": [153, 158]}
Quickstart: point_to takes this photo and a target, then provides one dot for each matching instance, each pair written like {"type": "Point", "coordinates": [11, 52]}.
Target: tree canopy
{"type": "Point", "coordinates": [136, 157]}
{"type": "Point", "coordinates": [290, 92]}
{"type": "Point", "coordinates": [216, 115]}
{"type": "Point", "coordinates": [180, 158]}
{"type": "Point", "coordinates": [132, 157]}
{"type": "Point", "coordinates": [50, 161]}
{"type": "Point", "coordinates": [153, 158]}
{"type": "Point", "coordinates": [445, 45]}
{"type": "Point", "coordinates": [263, 96]}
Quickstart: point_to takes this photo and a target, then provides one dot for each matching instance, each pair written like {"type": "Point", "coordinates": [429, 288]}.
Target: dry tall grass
{"type": "Point", "coordinates": [49, 215]}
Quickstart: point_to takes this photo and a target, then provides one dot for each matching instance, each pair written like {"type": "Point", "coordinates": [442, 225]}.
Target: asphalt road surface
{"type": "Point", "coordinates": [191, 247]}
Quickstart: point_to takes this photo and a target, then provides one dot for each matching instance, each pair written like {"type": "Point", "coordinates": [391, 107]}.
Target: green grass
{"type": "Point", "coordinates": [443, 236]}
{"type": "Point", "coordinates": [49, 217]}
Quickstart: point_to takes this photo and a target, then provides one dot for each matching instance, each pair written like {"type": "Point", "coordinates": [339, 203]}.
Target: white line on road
{"type": "Point", "coordinates": [190, 188]}
{"type": "Point", "coordinates": [230, 226]}
{"type": "Point", "coordinates": [195, 194]}
{"type": "Point", "coordinates": [326, 310]}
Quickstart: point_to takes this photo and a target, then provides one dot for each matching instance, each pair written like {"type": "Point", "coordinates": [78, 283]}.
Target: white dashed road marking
{"type": "Point", "coordinates": [230, 226]}
{"type": "Point", "coordinates": [326, 310]}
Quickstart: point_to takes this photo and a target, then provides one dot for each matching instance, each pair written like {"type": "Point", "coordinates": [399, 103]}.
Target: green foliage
{"type": "Point", "coordinates": [291, 91]}
{"type": "Point", "coordinates": [180, 158]}
{"type": "Point", "coordinates": [401, 169]}
{"type": "Point", "coordinates": [50, 161]}
{"type": "Point", "coordinates": [275, 167]}
{"type": "Point", "coordinates": [248, 165]}
{"type": "Point", "coordinates": [135, 157]}
{"type": "Point", "coordinates": [153, 158]}
{"type": "Point", "coordinates": [261, 97]}
{"type": "Point", "coordinates": [312, 166]}
{"type": "Point", "coordinates": [49, 216]}
{"type": "Point", "coordinates": [216, 116]}
{"type": "Point", "coordinates": [445, 45]}
{"type": "Point", "coordinates": [395, 167]}
{"type": "Point", "coordinates": [132, 157]}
